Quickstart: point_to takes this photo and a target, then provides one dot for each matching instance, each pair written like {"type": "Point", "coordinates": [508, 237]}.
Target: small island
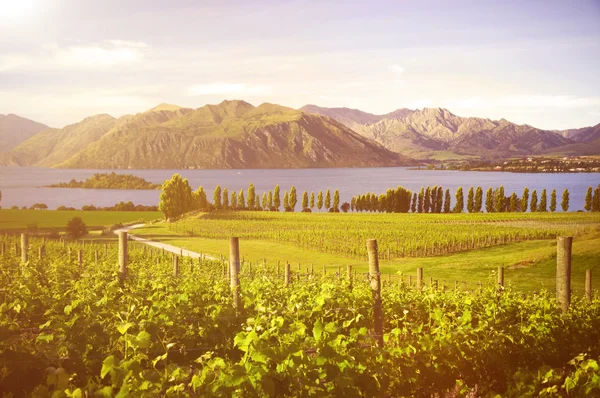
{"type": "Point", "coordinates": [108, 181]}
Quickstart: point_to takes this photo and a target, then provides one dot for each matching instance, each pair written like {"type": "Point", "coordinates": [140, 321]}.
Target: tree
{"type": "Point", "coordinates": [286, 201]}
{"type": "Point", "coordinates": [553, 201]}
{"type": "Point", "coordinates": [459, 207]}
{"type": "Point", "coordinates": [345, 207]}
{"type": "Point", "coordinates": [251, 197]}
{"type": "Point", "coordinates": [525, 200]}
{"type": "Point", "coordinates": [217, 197]}
{"type": "Point", "coordinates": [512, 207]}
{"type": "Point", "coordinates": [176, 197]}
{"type": "Point", "coordinates": [471, 200]}
{"type": "Point", "coordinates": [265, 203]}
{"type": "Point", "coordinates": [596, 199]}
{"type": "Point", "coordinates": [427, 200]}
{"type": "Point", "coordinates": [304, 200]}
{"type": "Point", "coordinates": [276, 198]}
{"type": "Point", "coordinates": [270, 200]}
{"type": "Point", "coordinates": [433, 199]}
{"type": "Point", "coordinates": [336, 199]}
{"type": "Point", "coordinates": [534, 201]}
{"type": "Point", "coordinates": [257, 201]}
{"type": "Point", "coordinates": [226, 199]}
{"type": "Point", "coordinates": [76, 228]}
{"type": "Point", "coordinates": [421, 200]}
{"type": "Point", "coordinates": [201, 202]}
{"type": "Point", "coordinates": [241, 199]}
{"type": "Point", "coordinates": [447, 200]}
{"type": "Point", "coordinates": [320, 200]}
{"type": "Point", "coordinates": [312, 200]}
{"type": "Point", "coordinates": [489, 200]}
{"type": "Point", "coordinates": [478, 200]}
{"type": "Point", "coordinates": [413, 206]}
{"type": "Point", "coordinates": [565, 200]}
{"type": "Point", "coordinates": [439, 200]}
{"type": "Point", "coordinates": [500, 200]}
{"type": "Point", "coordinates": [327, 199]}
{"type": "Point", "coordinates": [234, 200]}
{"type": "Point", "coordinates": [543, 207]}
{"type": "Point", "coordinates": [293, 199]}
{"type": "Point", "coordinates": [588, 200]}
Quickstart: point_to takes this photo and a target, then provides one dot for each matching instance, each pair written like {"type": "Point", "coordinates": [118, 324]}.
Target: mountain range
{"type": "Point", "coordinates": [232, 134]}
{"type": "Point", "coordinates": [236, 134]}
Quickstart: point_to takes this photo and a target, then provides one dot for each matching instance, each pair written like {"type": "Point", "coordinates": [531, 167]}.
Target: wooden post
{"type": "Point", "coordinates": [234, 269]}
{"type": "Point", "coordinates": [419, 278]}
{"type": "Point", "coordinates": [349, 275]}
{"type": "Point", "coordinates": [176, 265]}
{"type": "Point", "coordinates": [312, 269]}
{"type": "Point", "coordinates": [500, 277]}
{"type": "Point", "coordinates": [105, 249]}
{"type": "Point", "coordinates": [409, 280]}
{"type": "Point", "coordinates": [123, 253]}
{"type": "Point", "coordinates": [287, 274]}
{"type": "Point", "coordinates": [24, 247]}
{"type": "Point", "coordinates": [375, 281]}
{"type": "Point", "coordinates": [2, 248]}
{"type": "Point", "coordinates": [96, 256]}
{"type": "Point", "coordinates": [588, 286]}
{"type": "Point", "coordinates": [324, 270]}
{"type": "Point", "coordinates": [278, 269]}
{"type": "Point", "coordinates": [80, 257]}
{"type": "Point", "coordinates": [41, 252]}
{"type": "Point", "coordinates": [563, 271]}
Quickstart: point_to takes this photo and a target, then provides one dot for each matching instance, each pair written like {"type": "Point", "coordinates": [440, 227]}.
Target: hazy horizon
{"type": "Point", "coordinates": [533, 63]}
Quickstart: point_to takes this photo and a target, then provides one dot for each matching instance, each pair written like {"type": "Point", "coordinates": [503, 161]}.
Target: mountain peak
{"type": "Point", "coordinates": [165, 107]}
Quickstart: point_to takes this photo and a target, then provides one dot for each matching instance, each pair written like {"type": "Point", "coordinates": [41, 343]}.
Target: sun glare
{"type": "Point", "coordinates": [13, 10]}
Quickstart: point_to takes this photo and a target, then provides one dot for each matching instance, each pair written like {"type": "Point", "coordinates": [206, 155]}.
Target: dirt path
{"type": "Point", "coordinates": [159, 245]}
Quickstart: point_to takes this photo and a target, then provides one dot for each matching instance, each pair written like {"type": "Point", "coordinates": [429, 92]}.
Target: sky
{"type": "Point", "coordinates": [530, 62]}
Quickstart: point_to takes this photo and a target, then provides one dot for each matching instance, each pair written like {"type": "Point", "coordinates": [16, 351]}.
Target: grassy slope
{"type": "Point", "coordinates": [528, 265]}
{"type": "Point", "coordinates": [19, 219]}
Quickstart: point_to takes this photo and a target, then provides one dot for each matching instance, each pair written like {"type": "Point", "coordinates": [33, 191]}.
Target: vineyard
{"type": "Point", "coordinates": [398, 235]}
{"type": "Point", "coordinates": [72, 325]}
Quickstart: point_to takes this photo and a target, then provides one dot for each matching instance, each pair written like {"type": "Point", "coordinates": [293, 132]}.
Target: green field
{"type": "Point", "coordinates": [524, 243]}
{"type": "Point", "coordinates": [44, 219]}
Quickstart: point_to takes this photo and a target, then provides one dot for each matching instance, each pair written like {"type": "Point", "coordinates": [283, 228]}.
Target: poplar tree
{"type": "Point", "coordinates": [257, 201]}
{"type": "Point", "coordinates": [534, 201]}
{"type": "Point", "coordinates": [251, 197]}
{"type": "Point", "coordinates": [413, 206]}
{"type": "Point", "coordinates": [471, 200]}
{"type": "Point", "coordinates": [460, 201]}
{"type": "Point", "coordinates": [270, 200]}
{"type": "Point", "coordinates": [241, 199]}
{"type": "Point", "coordinates": [234, 200]}
{"type": "Point", "coordinates": [588, 200]}
{"type": "Point", "coordinates": [500, 200]}
{"type": "Point", "coordinates": [286, 201]}
{"type": "Point", "coordinates": [265, 202]}
{"type": "Point", "coordinates": [596, 199]}
{"type": "Point", "coordinates": [478, 200]}
{"type": "Point", "coordinates": [525, 200]}
{"type": "Point", "coordinates": [553, 201]}
{"type": "Point", "coordinates": [336, 200]}
{"type": "Point", "coordinates": [447, 199]}
{"type": "Point", "coordinates": [439, 200]}
{"type": "Point", "coordinates": [276, 198]}
{"type": "Point", "coordinates": [421, 200]}
{"type": "Point", "coordinates": [320, 200]}
{"type": "Point", "coordinates": [200, 198]}
{"type": "Point", "coordinates": [433, 199]}
{"type": "Point", "coordinates": [565, 200]}
{"type": "Point", "coordinates": [217, 197]}
{"type": "Point", "coordinates": [427, 200]}
{"type": "Point", "coordinates": [543, 202]}
{"type": "Point", "coordinates": [327, 199]}
{"type": "Point", "coordinates": [176, 197]}
{"type": "Point", "coordinates": [312, 200]}
{"type": "Point", "coordinates": [304, 200]}
{"type": "Point", "coordinates": [293, 200]}
{"type": "Point", "coordinates": [225, 199]}
{"type": "Point", "coordinates": [489, 200]}
{"type": "Point", "coordinates": [512, 207]}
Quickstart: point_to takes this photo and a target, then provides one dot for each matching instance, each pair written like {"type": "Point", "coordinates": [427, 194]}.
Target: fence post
{"type": "Point", "coordinates": [500, 277]}
{"type": "Point", "coordinates": [234, 269]}
{"type": "Point", "coordinates": [563, 271]}
{"type": "Point", "coordinates": [349, 274]}
{"type": "Point", "coordinates": [105, 249]}
{"type": "Point", "coordinates": [24, 247]}
{"type": "Point", "coordinates": [287, 274]}
{"type": "Point", "coordinates": [324, 270]}
{"type": "Point", "coordinates": [419, 278]}
{"type": "Point", "coordinates": [80, 257]}
{"type": "Point", "coordinates": [41, 252]}
{"type": "Point", "coordinates": [588, 286]}
{"type": "Point", "coordinates": [176, 265]}
{"type": "Point", "coordinates": [123, 254]}
{"type": "Point", "coordinates": [96, 256]}
{"type": "Point", "coordinates": [2, 248]}
{"type": "Point", "coordinates": [375, 280]}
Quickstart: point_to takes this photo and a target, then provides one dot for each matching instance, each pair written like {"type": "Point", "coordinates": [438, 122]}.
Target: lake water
{"type": "Point", "coordinates": [23, 186]}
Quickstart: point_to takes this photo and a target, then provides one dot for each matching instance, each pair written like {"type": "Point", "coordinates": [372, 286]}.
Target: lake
{"type": "Point", "coordinates": [23, 186]}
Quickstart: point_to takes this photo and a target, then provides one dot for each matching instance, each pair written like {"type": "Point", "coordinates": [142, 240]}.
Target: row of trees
{"type": "Point", "coordinates": [177, 198]}
{"type": "Point", "coordinates": [592, 199]}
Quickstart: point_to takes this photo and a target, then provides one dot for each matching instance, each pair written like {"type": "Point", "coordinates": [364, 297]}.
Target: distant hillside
{"type": "Point", "coordinates": [586, 134]}
{"type": "Point", "coordinates": [235, 134]}
{"type": "Point", "coordinates": [436, 132]}
{"type": "Point", "coordinates": [16, 129]}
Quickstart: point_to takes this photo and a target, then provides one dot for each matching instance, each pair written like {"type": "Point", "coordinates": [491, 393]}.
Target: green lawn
{"type": "Point", "coordinates": [20, 219]}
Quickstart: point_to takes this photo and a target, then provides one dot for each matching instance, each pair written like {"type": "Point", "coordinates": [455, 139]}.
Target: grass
{"type": "Point", "coordinates": [529, 265]}
{"type": "Point", "coordinates": [45, 219]}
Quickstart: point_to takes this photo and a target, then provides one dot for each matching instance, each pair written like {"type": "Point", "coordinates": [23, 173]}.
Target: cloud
{"type": "Point", "coordinates": [396, 69]}
{"type": "Point", "coordinates": [528, 101]}
{"type": "Point", "coordinates": [95, 55]}
{"type": "Point", "coordinates": [228, 89]}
